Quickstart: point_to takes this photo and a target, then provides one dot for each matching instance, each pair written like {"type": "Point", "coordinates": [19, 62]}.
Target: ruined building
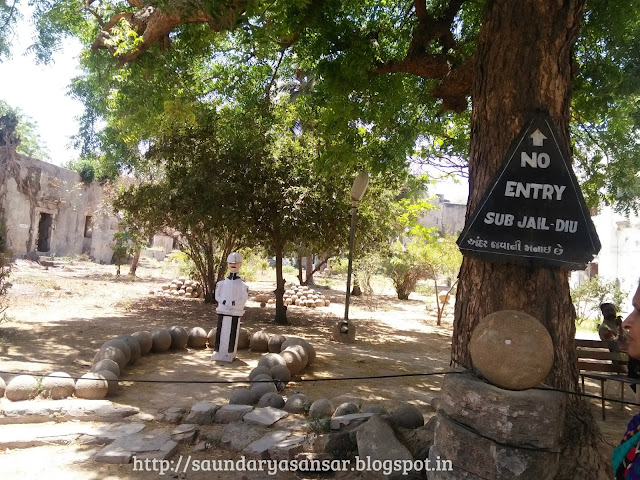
{"type": "Point", "coordinates": [48, 210]}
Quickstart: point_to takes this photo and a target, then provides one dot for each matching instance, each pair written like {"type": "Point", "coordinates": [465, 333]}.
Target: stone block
{"type": "Point", "coordinates": [260, 448]}
{"type": "Point", "coordinates": [237, 435]}
{"type": "Point", "coordinates": [528, 418]}
{"type": "Point", "coordinates": [264, 416]}
{"type": "Point", "coordinates": [202, 413]}
{"type": "Point", "coordinates": [352, 419]}
{"type": "Point", "coordinates": [172, 415]}
{"type": "Point", "coordinates": [231, 413]}
{"type": "Point", "coordinates": [287, 449]}
{"type": "Point", "coordinates": [153, 445]}
{"type": "Point", "coordinates": [185, 433]}
{"type": "Point", "coordinates": [487, 459]}
{"type": "Point", "coordinates": [377, 441]}
{"type": "Point", "coordinates": [439, 469]}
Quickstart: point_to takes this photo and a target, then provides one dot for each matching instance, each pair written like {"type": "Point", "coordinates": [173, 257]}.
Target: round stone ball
{"type": "Point", "coordinates": [292, 360]}
{"type": "Point", "coordinates": [211, 338]}
{"type": "Point", "coordinates": [311, 352]}
{"type": "Point", "coordinates": [275, 343]}
{"type": "Point", "coordinates": [407, 416]}
{"type": "Point", "coordinates": [111, 353]}
{"type": "Point", "coordinates": [22, 387]}
{"type": "Point", "coordinates": [92, 386]}
{"type": "Point", "coordinates": [271, 400]}
{"type": "Point", "coordinates": [258, 371]}
{"type": "Point", "coordinates": [134, 346]}
{"type": "Point", "coordinates": [280, 372]}
{"type": "Point", "coordinates": [344, 331]}
{"type": "Point", "coordinates": [145, 341]}
{"type": "Point", "coordinates": [260, 388]}
{"type": "Point", "coordinates": [179, 337]}
{"type": "Point", "coordinates": [58, 385]}
{"type": "Point", "coordinates": [271, 360]}
{"type": "Point", "coordinates": [259, 342]}
{"type": "Point", "coordinates": [243, 396]}
{"type": "Point", "coordinates": [297, 403]}
{"type": "Point", "coordinates": [111, 379]}
{"type": "Point", "coordinates": [121, 345]}
{"type": "Point", "coordinates": [321, 408]}
{"type": "Point", "coordinates": [346, 408]}
{"type": "Point", "coordinates": [3, 387]}
{"type": "Point", "coordinates": [197, 338]}
{"type": "Point", "coordinates": [244, 339]}
{"type": "Point", "coordinates": [261, 378]}
{"type": "Point", "coordinates": [299, 349]}
{"type": "Point", "coordinates": [161, 340]}
{"type": "Point", "coordinates": [512, 350]}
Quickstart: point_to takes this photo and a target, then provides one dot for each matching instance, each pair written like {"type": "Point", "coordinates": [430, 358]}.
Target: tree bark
{"type": "Point", "coordinates": [281, 308]}
{"type": "Point", "coordinates": [524, 64]}
{"type": "Point", "coordinates": [134, 263]}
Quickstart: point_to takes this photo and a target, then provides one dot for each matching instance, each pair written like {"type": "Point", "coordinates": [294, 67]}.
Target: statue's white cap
{"type": "Point", "coordinates": [234, 257]}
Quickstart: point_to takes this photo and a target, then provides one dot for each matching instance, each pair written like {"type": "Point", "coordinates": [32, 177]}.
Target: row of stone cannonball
{"type": "Point", "coordinates": [287, 357]}
{"type": "Point", "coordinates": [180, 287]}
{"type": "Point", "coordinates": [301, 296]}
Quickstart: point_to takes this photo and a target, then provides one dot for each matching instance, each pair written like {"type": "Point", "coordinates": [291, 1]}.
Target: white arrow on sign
{"type": "Point", "coordinates": [538, 138]}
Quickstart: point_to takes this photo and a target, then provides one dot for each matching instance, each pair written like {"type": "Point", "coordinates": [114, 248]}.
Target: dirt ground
{"type": "Point", "coordinates": [60, 316]}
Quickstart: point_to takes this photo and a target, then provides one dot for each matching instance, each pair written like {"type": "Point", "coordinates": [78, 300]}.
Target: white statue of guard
{"type": "Point", "coordinates": [231, 295]}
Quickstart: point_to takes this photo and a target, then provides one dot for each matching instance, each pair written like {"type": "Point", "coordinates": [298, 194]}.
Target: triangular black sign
{"type": "Point", "coordinates": [533, 212]}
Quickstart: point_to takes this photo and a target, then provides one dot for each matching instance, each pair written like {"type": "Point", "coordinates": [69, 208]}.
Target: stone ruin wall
{"type": "Point", "coordinates": [36, 188]}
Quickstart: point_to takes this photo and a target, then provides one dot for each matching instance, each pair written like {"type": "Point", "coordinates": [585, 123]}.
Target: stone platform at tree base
{"type": "Point", "coordinates": [490, 433]}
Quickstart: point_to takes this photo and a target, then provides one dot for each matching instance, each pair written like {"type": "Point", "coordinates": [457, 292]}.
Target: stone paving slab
{"type": "Point", "coordinates": [260, 448]}
{"type": "Point", "coordinates": [231, 413]}
{"type": "Point", "coordinates": [266, 416]}
{"type": "Point", "coordinates": [156, 445]}
{"type": "Point", "coordinates": [237, 435]}
{"type": "Point", "coordinates": [353, 418]}
{"type": "Point", "coordinates": [202, 413]}
{"type": "Point", "coordinates": [287, 449]}
{"type": "Point", "coordinates": [42, 411]}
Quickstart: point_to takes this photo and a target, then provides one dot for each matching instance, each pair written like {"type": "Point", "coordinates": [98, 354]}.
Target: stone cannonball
{"type": "Point", "coordinates": [112, 353]}
{"type": "Point", "coordinates": [111, 379]}
{"type": "Point", "coordinates": [211, 338]}
{"type": "Point", "coordinates": [262, 388]}
{"type": "Point", "coordinates": [321, 408]}
{"type": "Point", "coordinates": [179, 337]}
{"type": "Point", "coordinates": [297, 403]}
{"type": "Point", "coordinates": [271, 360]}
{"type": "Point", "coordinates": [259, 342]}
{"type": "Point", "coordinates": [258, 371]}
{"type": "Point", "coordinates": [161, 340]}
{"type": "Point", "coordinates": [145, 341]}
{"type": "Point", "coordinates": [280, 372]}
{"type": "Point", "coordinates": [311, 352]}
{"type": "Point", "coordinates": [243, 396]}
{"type": "Point", "coordinates": [512, 350]}
{"type": "Point", "coordinates": [3, 387]}
{"type": "Point", "coordinates": [22, 387]}
{"type": "Point", "coordinates": [292, 360]}
{"type": "Point", "coordinates": [58, 385]}
{"type": "Point", "coordinates": [244, 339]}
{"type": "Point", "coordinates": [262, 377]}
{"type": "Point", "coordinates": [106, 364]}
{"type": "Point", "coordinates": [271, 400]}
{"type": "Point", "coordinates": [299, 349]}
{"type": "Point", "coordinates": [134, 346]}
{"type": "Point", "coordinates": [197, 338]}
{"type": "Point", "coordinates": [92, 386]}
{"type": "Point", "coordinates": [275, 343]}
{"type": "Point", "coordinates": [122, 345]}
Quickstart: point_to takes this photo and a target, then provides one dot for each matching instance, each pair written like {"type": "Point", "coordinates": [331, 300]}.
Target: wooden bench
{"type": "Point", "coordinates": [596, 361]}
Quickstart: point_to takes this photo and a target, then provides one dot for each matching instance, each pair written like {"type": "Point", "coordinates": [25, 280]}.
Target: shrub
{"type": "Point", "coordinates": [588, 296]}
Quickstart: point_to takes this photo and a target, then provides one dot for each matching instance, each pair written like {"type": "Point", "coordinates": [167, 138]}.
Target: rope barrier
{"type": "Point", "coordinates": [330, 379]}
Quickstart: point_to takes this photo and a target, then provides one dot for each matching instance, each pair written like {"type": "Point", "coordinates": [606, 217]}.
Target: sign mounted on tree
{"type": "Point", "coordinates": [533, 212]}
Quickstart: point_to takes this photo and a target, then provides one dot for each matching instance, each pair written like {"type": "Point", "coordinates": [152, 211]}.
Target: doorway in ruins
{"type": "Point", "coordinates": [43, 244]}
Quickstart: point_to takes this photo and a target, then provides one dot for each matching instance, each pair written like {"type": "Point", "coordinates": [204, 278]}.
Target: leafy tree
{"type": "Point", "coordinates": [30, 144]}
{"type": "Point", "coordinates": [380, 73]}
{"type": "Point", "coordinates": [589, 295]}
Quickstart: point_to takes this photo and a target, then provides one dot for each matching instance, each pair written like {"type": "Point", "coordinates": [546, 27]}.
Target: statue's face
{"type": "Point", "coordinates": [234, 267]}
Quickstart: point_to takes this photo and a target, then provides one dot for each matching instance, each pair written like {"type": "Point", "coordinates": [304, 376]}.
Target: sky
{"type": "Point", "coordinates": [39, 91]}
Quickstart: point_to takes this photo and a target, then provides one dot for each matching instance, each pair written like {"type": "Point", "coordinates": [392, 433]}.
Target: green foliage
{"type": "Point", "coordinates": [589, 295]}
{"type": "Point", "coordinates": [126, 244]}
{"type": "Point", "coordinates": [186, 266]}
{"type": "Point", "coordinates": [30, 144]}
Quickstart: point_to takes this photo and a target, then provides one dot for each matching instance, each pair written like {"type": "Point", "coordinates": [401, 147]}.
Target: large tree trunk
{"type": "Point", "coordinates": [281, 308]}
{"type": "Point", "coordinates": [525, 64]}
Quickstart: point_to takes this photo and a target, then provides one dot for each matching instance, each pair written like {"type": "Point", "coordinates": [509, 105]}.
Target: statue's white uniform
{"type": "Point", "coordinates": [231, 295]}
